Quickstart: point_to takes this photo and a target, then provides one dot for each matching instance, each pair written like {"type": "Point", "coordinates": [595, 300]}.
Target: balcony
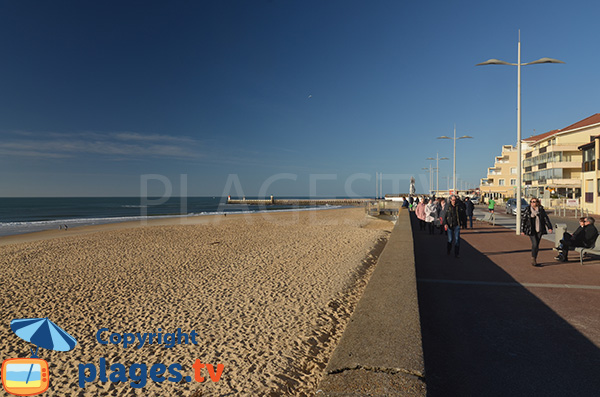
{"type": "Point", "coordinates": [565, 164]}
{"type": "Point", "coordinates": [568, 183]}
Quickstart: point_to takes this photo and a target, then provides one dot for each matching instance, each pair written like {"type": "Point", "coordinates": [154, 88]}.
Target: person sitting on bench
{"type": "Point", "coordinates": [584, 236]}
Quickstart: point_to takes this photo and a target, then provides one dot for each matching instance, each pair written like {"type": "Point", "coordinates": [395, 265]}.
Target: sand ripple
{"type": "Point", "coordinates": [268, 297]}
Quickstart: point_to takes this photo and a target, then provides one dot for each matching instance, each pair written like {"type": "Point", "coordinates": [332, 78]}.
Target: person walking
{"type": "Point", "coordinates": [535, 223]}
{"type": "Point", "coordinates": [420, 213]}
{"type": "Point", "coordinates": [584, 236]}
{"type": "Point", "coordinates": [453, 217]}
{"type": "Point", "coordinates": [469, 207]}
{"type": "Point", "coordinates": [491, 205]}
{"type": "Point", "coordinates": [463, 220]}
{"type": "Point", "coordinates": [431, 214]}
{"type": "Point", "coordinates": [442, 213]}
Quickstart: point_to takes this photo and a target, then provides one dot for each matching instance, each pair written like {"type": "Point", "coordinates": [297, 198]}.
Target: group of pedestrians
{"type": "Point", "coordinates": [411, 202]}
{"type": "Point", "coordinates": [456, 214]}
{"type": "Point", "coordinates": [447, 217]}
{"type": "Point", "coordinates": [535, 223]}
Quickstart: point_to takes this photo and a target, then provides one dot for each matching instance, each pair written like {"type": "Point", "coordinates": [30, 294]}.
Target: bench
{"type": "Point", "coordinates": [594, 250]}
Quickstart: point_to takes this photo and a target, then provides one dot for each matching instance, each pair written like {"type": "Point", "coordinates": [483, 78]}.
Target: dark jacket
{"type": "Point", "coordinates": [590, 233]}
{"type": "Point", "coordinates": [469, 207]}
{"type": "Point", "coordinates": [528, 223]}
{"type": "Point", "coordinates": [455, 215]}
{"type": "Point", "coordinates": [577, 236]}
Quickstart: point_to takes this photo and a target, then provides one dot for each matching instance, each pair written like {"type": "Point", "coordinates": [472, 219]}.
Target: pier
{"type": "Point", "coordinates": [300, 202]}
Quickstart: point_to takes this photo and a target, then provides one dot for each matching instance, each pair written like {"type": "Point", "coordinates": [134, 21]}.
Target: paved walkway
{"type": "Point", "coordinates": [493, 325]}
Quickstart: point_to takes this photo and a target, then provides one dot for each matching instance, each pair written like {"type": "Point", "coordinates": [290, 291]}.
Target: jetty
{"type": "Point", "coordinates": [380, 208]}
{"type": "Point", "coordinates": [300, 202]}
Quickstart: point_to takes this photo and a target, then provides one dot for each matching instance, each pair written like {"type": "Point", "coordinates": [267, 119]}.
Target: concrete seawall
{"type": "Point", "coordinates": [380, 352]}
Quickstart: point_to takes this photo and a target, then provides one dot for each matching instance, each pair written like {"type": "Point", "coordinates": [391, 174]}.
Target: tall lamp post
{"type": "Point", "coordinates": [437, 173]}
{"type": "Point", "coordinates": [454, 167]}
{"type": "Point", "coordinates": [520, 167]}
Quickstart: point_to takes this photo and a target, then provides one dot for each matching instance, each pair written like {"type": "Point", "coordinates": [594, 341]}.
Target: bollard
{"type": "Point", "coordinates": [559, 230]}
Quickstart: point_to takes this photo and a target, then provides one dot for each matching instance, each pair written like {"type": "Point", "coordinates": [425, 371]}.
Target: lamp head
{"type": "Point", "coordinates": [495, 62]}
{"type": "Point", "coordinates": [543, 60]}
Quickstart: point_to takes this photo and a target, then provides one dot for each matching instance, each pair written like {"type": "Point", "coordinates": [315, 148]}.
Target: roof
{"type": "Point", "coordinates": [535, 138]}
{"type": "Point", "coordinates": [587, 145]}
{"type": "Point", "coordinates": [593, 119]}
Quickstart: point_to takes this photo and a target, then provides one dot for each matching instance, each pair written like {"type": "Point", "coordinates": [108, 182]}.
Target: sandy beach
{"type": "Point", "coordinates": [268, 296]}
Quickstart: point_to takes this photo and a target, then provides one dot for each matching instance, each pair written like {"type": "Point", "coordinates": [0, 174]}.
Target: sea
{"type": "Point", "coordinates": [27, 215]}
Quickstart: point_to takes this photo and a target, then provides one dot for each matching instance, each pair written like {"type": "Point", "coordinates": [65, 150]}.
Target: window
{"type": "Point", "coordinates": [588, 160]}
{"type": "Point", "coordinates": [589, 190]}
{"type": "Point", "coordinates": [513, 170]}
{"type": "Point", "coordinates": [513, 182]}
{"type": "Point", "coordinates": [500, 182]}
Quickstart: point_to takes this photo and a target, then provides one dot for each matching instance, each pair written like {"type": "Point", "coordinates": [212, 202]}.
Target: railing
{"type": "Point", "coordinates": [566, 207]}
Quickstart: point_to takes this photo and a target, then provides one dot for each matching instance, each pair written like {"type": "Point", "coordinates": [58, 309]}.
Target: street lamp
{"type": "Point", "coordinates": [454, 167]}
{"type": "Point", "coordinates": [437, 167]}
{"type": "Point", "coordinates": [518, 65]}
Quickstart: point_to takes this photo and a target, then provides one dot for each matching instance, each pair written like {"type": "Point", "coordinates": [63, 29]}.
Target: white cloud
{"type": "Point", "coordinates": [72, 145]}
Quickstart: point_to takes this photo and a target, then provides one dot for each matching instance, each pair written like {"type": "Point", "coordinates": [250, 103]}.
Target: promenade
{"type": "Point", "coordinates": [493, 325]}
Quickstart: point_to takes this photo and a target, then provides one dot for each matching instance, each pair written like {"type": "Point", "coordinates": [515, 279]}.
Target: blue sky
{"type": "Point", "coordinates": [93, 95]}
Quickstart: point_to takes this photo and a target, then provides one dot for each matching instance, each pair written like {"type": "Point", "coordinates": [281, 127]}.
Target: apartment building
{"type": "Point", "coordinates": [590, 170]}
{"type": "Point", "coordinates": [553, 160]}
{"type": "Point", "coordinates": [501, 180]}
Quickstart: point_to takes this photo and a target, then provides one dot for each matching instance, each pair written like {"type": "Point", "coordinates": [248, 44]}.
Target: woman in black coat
{"type": "Point", "coordinates": [534, 223]}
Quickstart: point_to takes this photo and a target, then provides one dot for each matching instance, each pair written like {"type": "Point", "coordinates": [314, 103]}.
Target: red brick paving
{"type": "Point", "coordinates": [485, 333]}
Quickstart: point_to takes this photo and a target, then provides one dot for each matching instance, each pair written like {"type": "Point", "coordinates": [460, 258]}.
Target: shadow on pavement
{"type": "Point", "coordinates": [489, 340]}
{"type": "Point", "coordinates": [515, 251]}
{"type": "Point", "coordinates": [485, 231]}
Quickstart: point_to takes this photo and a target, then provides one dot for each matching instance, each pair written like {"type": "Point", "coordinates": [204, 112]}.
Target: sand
{"type": "Point", "coordinates": [268, 296]}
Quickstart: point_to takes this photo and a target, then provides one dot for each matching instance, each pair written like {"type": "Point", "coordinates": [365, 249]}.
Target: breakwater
{"type": "Point", "coordinates": [287, 201]}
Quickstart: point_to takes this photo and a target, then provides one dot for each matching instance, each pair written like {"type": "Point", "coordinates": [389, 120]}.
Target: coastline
{"type": "Point", "coordinates": [16, 227]}
{"type": "Point", "coordinates": [166, 220]}
{"type": "Point", "coordinates": [270, 293]}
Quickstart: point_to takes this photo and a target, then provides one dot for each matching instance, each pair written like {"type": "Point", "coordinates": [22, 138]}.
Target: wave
{"type": "Point", "coordinates": [13, 228]}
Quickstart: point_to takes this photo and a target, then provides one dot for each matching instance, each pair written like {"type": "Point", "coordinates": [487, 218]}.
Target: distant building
{"type": "Point", "coordinates": [501, 180]}
{"type": "Point", "coordinates": [553, 160]}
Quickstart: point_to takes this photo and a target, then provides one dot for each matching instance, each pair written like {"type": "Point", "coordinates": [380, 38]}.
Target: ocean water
{"type": "Point", "coordinates": [26, 215]}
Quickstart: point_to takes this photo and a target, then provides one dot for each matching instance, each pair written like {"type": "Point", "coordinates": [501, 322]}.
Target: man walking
{"type": "Point", "coordinates": [453, 217]}
{"type": "Point", "coordinates": [469, 207]}
{"type": "Point", "coordinates": [491, 205]}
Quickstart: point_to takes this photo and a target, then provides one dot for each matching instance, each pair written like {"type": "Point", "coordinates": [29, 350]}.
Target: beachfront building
{"type": "Point", "coordinates": [590, 172]}
{"type": "Point", "coordinates": [501, 180]}
{"type": "Point", "coordinates": [553, 160]}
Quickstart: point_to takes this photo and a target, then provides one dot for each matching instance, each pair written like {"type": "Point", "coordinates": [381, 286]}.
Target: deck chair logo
{"type": "Point", "coordinates": [30, 376]}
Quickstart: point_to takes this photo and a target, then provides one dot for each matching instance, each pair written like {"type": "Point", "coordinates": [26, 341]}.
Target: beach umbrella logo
{"type": "Point", "coordinates": [30, 376]}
